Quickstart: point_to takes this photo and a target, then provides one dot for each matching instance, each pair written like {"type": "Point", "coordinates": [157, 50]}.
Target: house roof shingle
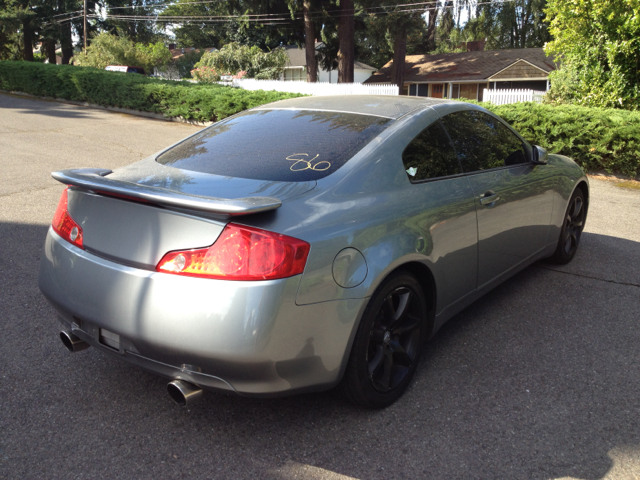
{"type": "Point", "coordinates": [464, 66]}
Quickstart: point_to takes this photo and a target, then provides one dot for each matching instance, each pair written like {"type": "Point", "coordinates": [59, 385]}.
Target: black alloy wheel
{"type": "Point", "coordinates": [394, 339]}
{"type": "Point", "coordinates": [388, 343]}
{"type": "Point", "coordinates": [571, 229]}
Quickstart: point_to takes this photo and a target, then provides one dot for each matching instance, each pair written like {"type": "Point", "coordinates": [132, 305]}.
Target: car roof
{"type": "Point", "coordinates": [389, 106]}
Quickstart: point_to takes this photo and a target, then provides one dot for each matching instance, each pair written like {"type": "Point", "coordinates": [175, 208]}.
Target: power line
{"type": "Point", "coordinates": [201, 2]}
{"type": "Point", "coordinates": [266, 19]}
{"type": "Point", "coordinates": [67, 13]}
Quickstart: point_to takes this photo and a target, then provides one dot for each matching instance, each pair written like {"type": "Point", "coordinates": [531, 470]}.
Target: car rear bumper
{"type": "Point", "coordinates": [246, 337]}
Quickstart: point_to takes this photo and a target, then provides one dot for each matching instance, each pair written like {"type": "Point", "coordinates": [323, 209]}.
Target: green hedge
{"type": "Point", "coordinates": [596, 138]}
{"type": "Point", "coordinates": [137, 92]}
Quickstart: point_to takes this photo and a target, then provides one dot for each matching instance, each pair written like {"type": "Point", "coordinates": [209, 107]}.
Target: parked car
{"type": "Point", "coordinates": [124, 69]}
{"type": "Point", "coordinates": [306, 244]}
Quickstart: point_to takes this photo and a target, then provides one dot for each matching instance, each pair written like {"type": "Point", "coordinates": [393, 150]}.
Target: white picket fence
{"type": "Point", "coordinates": [502, 97]}
{"type": "Point", "coordinates": [317, 89]}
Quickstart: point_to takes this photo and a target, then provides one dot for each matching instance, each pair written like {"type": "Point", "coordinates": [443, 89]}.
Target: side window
{"type": "Point", "coordinates": [430, 155]}
{"type": "Point", "coordinates": [482, 141]}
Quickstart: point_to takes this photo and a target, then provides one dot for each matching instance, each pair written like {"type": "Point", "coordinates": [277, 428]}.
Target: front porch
{"type": "Point", "coordinates": [469, 90]}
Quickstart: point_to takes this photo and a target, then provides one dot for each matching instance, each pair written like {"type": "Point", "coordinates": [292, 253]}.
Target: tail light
{"type": "Point", "coordinates": [64, 225]}
{"type": "Point", "coordinates": [241, 253]}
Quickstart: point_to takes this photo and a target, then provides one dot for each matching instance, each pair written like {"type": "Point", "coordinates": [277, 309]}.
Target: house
{"type": "Point", "coordinates": [296, 68]}
{"type": "Point", "coordinates": [466, 74]}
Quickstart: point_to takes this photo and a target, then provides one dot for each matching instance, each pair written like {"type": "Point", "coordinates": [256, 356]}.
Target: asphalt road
{"type": "Point", "coordinates": [540, 379]}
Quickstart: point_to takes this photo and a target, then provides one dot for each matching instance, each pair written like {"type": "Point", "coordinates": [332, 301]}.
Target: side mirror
{"type": "Point", "coordinates": [540, 156]}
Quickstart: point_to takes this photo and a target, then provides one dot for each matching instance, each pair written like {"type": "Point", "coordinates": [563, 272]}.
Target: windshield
{"type": "Point", "coordinates": [277, 145]}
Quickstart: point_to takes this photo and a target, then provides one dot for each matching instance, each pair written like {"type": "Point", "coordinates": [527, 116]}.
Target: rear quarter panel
{"type": "Point", "coordinates": [370, 205]}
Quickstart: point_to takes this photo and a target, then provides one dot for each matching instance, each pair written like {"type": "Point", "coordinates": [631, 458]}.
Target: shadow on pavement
{"type": "Point", "coordinates": [539, 379]}
{"type": "Point", "coordinates": [40, 106]}
{"type": "Point", "coordinates": [608, 258]}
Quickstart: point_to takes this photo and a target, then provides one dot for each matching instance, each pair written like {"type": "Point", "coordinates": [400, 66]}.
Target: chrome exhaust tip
{"type": "Point", "coordinates": [73, 343]}
{"type": "Point", "coordinates": [184, 393]}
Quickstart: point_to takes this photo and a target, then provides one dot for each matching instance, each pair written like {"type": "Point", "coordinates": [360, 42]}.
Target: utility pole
{"type": "Point", "coordinates": [85, 26]}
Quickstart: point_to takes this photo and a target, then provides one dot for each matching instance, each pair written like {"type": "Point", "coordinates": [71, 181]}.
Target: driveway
{"type": "Point", "coordinates": [540, 379]}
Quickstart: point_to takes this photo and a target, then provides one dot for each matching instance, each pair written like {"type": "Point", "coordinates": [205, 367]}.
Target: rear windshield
{"type": "Point", "coordinates": [277, 145]}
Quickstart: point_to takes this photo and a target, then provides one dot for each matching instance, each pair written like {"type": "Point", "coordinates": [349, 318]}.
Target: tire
{"type": "Point", "coordinates": [571, 232]}
{"type": "Point", "coordinates": [387, 346]}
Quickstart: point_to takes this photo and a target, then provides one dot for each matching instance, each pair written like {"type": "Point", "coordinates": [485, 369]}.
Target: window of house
{"type": "Point", "coordinates": [295, 74]}
{"type": "Point", "coordinates": [482, 141]}
{"type": "Point", "coordinates": [430, 155]}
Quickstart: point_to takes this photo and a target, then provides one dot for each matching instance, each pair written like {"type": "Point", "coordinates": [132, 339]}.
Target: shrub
{"type": "Point", "coordinates": [596, 138]}
{"type": "Point", "coordinates": [127, 90]}
{"type": "Point", "coordinates": [107, 49]}
{"type": "Point", "coordinates": [598, 45]}
{"type": "Point", "coordinates": [205, 75]}
{"type": "Point", "coordinates": [233, 58]}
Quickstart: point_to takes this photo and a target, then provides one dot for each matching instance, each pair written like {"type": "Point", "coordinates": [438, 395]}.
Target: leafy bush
{"type": "Point", "coordinates": [596, 138]}
{"type": "Point", "coordinates": [127, 90]}
{"type": "Point", "coordinates": [598, 45]}
{"type": "Point", "coordinates": [107, 49]}
{"type": "Point", "coordinates": [205, 75]}
{"type": "Point", "coordinates": [233, 58]}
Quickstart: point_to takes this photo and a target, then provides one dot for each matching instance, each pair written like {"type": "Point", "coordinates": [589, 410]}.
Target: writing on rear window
{"type": "Point", "coordinates": [260, 144]}
{"type": "Point", "coordinates": [302, 164]}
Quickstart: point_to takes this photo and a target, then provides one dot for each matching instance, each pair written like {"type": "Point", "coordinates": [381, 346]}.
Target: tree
{"type": "Point", "coordinates": [389, 24]}
{"type": "Point", "coordinates": [198, 33]}
{"type": "Point", "coordinates": [23, 23]}
{"type": "Point", "coordinates": [306, 7]}
{"type": "Point", "coordinates": [10, 37]}
{"type": "Point", "coordinates": [521, 24]}
{"type": "Point", "coordinates": [221, 22]}
{"type": "Point", "coordinates": [143, 29]}
{"type": "Point", "coordinates": [375, 44]}
{"type": "Point", "coordinates": [515, 24]}
{"type": "Point", "coordinates": [346, 33]}
{"type": "Point", "coordinates": [17, 15]}
{"type": "Point", "coordinates": [598, 45]}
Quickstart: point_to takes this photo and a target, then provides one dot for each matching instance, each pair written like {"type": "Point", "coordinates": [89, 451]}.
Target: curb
{"type": "Point", "coordinates": [127, 111]}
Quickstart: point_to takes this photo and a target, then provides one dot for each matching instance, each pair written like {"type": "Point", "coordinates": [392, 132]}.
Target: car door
{"type": "Point", "coordinates": [447, 222]}
{"type": "Point", "coordinates": [513, 197]}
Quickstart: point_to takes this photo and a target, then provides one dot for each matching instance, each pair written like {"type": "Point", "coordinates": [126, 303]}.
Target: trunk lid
{"type": "Point", "coordinates": [136, 215]}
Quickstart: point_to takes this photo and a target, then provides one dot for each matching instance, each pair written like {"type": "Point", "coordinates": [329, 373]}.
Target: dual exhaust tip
{"type": "Point", "coordinates": [183, 393]}
{"type": "Point", "coordinates": [73, 343]}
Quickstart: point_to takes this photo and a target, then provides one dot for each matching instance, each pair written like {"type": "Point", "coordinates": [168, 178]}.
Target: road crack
{"type": "Point", "coordinates": [588, 276]}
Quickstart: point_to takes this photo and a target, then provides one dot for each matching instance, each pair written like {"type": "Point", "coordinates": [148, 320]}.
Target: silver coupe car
{"type": "Point", "coordinates": [306, 244]}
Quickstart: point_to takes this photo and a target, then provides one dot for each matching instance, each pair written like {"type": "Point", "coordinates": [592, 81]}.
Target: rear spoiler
{"type": "Point", "coordinates": [94, 179]}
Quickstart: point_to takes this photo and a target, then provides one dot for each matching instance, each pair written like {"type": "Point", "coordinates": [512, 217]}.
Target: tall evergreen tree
{"type": "Point", "coordinates": [346, 38]}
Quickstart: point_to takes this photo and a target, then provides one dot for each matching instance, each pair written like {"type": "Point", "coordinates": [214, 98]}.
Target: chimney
{"type": "Point", "coordinates": [476, 46]}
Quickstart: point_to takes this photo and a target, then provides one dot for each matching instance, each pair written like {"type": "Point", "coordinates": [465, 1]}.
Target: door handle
{"type": "Point", "coordinates": [489, 198]}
